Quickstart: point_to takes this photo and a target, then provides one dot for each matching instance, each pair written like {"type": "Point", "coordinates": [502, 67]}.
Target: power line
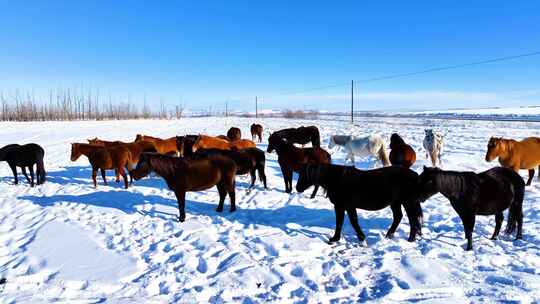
{"type": "Point", "coordinates": [449, 67]}
{"type": "Point", "coordinates": [401, 75]}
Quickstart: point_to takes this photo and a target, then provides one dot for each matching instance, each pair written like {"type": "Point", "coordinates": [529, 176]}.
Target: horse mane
{"type": "Point", "coordinates": [456, 185]}
{"type": "Point", "coordinates": [165, 165]}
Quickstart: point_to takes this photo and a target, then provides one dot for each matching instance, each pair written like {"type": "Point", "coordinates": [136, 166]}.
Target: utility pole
{"type": "Point", "coordinates": [226, 109]}
{"type": "Point", "coordinates": [256, 108]}
{"type": "Point", "coordinates": [352, 101]}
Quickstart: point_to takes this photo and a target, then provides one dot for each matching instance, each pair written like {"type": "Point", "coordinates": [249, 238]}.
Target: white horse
{"type": "Point", "coordinates": [433, 143]}
{"type": "Point", "coordinates": [372, 145]}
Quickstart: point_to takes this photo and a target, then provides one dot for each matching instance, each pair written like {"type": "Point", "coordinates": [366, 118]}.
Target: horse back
{"type": "Point", "coordinates": [497, 187]}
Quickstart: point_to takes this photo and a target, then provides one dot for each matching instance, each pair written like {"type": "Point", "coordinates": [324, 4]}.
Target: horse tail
{"type": "Point", "coordinates": [383, 156]}
{"type": "Point", "coordinates": [40, 168]}
{"type": "Point", "coordinates": [515, 212]}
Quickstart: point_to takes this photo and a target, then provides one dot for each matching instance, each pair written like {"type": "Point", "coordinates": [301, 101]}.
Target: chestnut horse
{"type": "Point", "coordinates": [135, 148]}
{"type": "Point", "coordinates": [301, 135]}
{"type": "Point", "coordinates": [163, 146]}
{"type": "Point", "coordinates": [516, 155]}
{"type": "Point", "coordinates": [234, 134]}
{"type": "Point", "coordinates": [104, 158]}
{"type": "Point", "coordinates": [209, 142]}
{"type": "Point", "coordinates": [256, 130]}
{"type": "Point", "coordinates": [184, 175]}
{"type": "Point", "coordinates": [291, 159]}
{"type": "Point", "coordinates": [401, 154]}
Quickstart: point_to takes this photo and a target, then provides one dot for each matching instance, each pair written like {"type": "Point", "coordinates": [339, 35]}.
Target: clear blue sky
{"type": "Point", "coordinates": [202, 54]}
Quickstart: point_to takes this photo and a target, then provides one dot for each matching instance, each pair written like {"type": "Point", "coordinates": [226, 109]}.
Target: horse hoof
{"type": "Point", "coordinates": [181, 219]}
{"type": "Point", "coordinates": [411, 239]}
{"type": "Point", "coordinates": [493, 238]}
{"type": "Point", "coordinates": [389, 235]}
{"type": "Point", "coordinates": [232, 209]}
{"type": "Point", "coordinates": [333, 240]}
{"type": "Point", "coordinates": [219, 209]}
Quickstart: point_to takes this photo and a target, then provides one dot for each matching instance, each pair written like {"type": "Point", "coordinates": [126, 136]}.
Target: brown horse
{"type": "Point", "coordinates": [163, 146]}
{"type": "Point", "coordinates": [256, 130]}
{"type": "Point", "coordinates": [291, 159]}
{"type": "Point", "coordinates": [135, 148]}
{"type": "Point", "coordinates": [224, 137]}
{"type": "Point", "coordinates": [104, 158]}
{"type": "Point", "coordinates": [401, 154]}
{"type": "Point", "coordinates": [516, 155]}
{"type": "Point", "coordinates": [191, 175]}
{"type": "Point", "coordinates": [234, 134]}
{"type": "Point", "coordinates": [249, 160]}
{"type": "Point", "coordinates": [209, 142]}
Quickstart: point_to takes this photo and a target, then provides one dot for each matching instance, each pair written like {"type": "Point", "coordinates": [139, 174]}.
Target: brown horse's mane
{"type": "Point", "coordinates": [165, 165]}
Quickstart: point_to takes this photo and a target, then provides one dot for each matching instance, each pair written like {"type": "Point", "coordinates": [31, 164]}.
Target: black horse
{"type": "Point", "coordinates": [301, 135]}
{"type": "Point", "coordinates": [247, 161]}
{"type": "Point", "coordinates": [487, 193]}
{"type": "Point", "coordinates": [349, 189]}
{"type": "Point", "coordinates": [25, 156]}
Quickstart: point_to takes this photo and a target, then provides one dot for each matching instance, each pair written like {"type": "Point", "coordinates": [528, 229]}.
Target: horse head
{"type": "Point", "coordinates": [428, 183]}
{"type": "Point", "coordinates": [196, 144]}
{"type": "Point", "coordinates": [75, 151]}
{"type": "Point", "coordinates": [271, 143]}
{"type": "Point", "coordinates": [396, 140]}
{"type": "Point", "coordinates": [139, 137]}
{"type": "Point", "coordinates": [495, 147]}
{"type": "Point", "coordinates": [143, 167]}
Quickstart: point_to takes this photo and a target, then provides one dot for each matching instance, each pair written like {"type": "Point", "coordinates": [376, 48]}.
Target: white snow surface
{"type": "Point", "coordinates": [65, 241]}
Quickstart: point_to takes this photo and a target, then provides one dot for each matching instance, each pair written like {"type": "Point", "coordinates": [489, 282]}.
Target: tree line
{"type": "Point", "coordinates": [68, 105]}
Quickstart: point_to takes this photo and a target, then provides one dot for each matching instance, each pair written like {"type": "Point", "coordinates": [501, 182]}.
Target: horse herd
{"type": "Point", "coordinates": [199, 162]}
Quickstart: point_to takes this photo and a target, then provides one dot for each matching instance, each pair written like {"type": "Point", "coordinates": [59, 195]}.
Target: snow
{"type": "Point", "coordinates": [65, 241]}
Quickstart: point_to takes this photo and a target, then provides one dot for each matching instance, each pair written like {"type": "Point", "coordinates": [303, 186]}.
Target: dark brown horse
{"type": "Point", "coordinates": [25, 156]}
{"type": "Point", "coordinates": [103, 158]}
{"type": "Point", "coordinates": [291, 159]}
{"type": "Point", "coordinates": [184, 175]}
{"type": "Point", "coordinates": [256, 130]}
{"type": "Point", "coordinates": [185, 144]}
{"type": "Point", "coordinates": [234, 134]}
{"type": "Point", "coordinates": [301, 135]}
{"type": "Point", "coordinates": [349, 189]}
{"type": "Point", "coordinates": [247, 161]}
{"type": "Point", "coordinates": [401, 154]}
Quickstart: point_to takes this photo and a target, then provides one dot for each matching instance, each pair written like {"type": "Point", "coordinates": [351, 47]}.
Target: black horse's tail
{"type": "Point", "coordinates": [515, 212]}
{"type": "Point", "coordinates": [41, 174]}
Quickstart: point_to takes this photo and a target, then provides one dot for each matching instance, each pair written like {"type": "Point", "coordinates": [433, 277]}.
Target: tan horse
{"type": "Point", "coordinates": [163, 146]}
{"type": "Point", "coordinates": [515, 154]}
{"type": "Point", "coordinates": [209, 142]}
{"type": "Point", "coordinates": [102, 158]}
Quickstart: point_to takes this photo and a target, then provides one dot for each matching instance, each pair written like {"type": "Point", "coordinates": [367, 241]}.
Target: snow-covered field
{"type": "Point", "coordinates": [65, 241]}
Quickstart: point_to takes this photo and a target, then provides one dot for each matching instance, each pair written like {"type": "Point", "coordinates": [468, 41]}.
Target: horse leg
{"type": "Point", "coordinates": [103, 176]}
{"type": "Point", "coordinates": [531, 175]}
{"type": "Point", "coordinates": [286, 175]}
{"type": "Point", "coordinates": [94, 174]}
{"type": "Point", "coordinates": [117, 176]}
{"type": "Point", "coordinates": [232, 195]}
{"type": "Point", "coordinates": [14, 170]}
{"type": "Point", "coordinates": [181, 198]}
{"type": "Point", "coordinates": [397, 215]}
{"type": "Point", "coordinates": [340, 214]}
{"type": "Point", "coordinates": [222, 193]}
{"type": "Point", "coordinates": [413, 216]}
{"type": "Point", "coordinates": [122, 172]}
{"type": "Point", "coordinates": [315, 191]}
{"type": "Point", "coordinates": [31, 170]}
{"type": "Point", "coordinates": [499, 217]}
{"type": "Point", "coordinates": [468, 219]}
{"type": "Point", "coordinates": [353, 218]}
{"type": "Point", "coordinates": [253, 177]}
{"type": "Point", "coordinates": [23, 169]}
{"type": "Point", "coordinates": [434, 159]}
{"type": "Point", "coordinates": [262, 176]}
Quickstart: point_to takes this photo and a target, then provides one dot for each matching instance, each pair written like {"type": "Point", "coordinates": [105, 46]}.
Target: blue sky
{"type": "Point", "coordinates": [203, 54]}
